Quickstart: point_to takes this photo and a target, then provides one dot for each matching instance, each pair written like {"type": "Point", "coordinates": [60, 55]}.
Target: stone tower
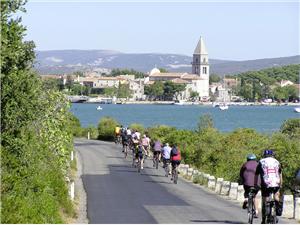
{"type": "Point", "coordinates": [200, 65]}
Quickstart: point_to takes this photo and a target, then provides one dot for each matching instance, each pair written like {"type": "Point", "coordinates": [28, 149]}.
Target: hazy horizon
{"type": "Point", "coordinates": [231, 30]}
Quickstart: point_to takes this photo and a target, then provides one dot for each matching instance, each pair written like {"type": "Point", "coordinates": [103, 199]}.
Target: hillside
{"type": "Point", "coordinates": [66, 61]}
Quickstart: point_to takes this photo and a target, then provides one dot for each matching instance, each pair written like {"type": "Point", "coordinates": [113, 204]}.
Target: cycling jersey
{"type": "Point", "coordinates": [157, 146]}
{"type": "Point", "coordinates": [175, 157]}
{"type": "Point", "coordinates": [247, 173]}
{"type": "Point", "coordinates": [269, 170]}
{"type": "Point", "coordinates": [117, 130]}
{"type": "Point", "coordinates": [166, 151]}
{"type": "Point", "coordinates": [145, 141]}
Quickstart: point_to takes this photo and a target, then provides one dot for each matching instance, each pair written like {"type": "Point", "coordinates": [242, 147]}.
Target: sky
{"type": "Point", "coordinates": [231, 30]}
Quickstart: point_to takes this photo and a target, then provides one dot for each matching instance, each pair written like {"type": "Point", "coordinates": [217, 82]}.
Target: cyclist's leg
{"type": "Point", "coordinates": [265, 206]}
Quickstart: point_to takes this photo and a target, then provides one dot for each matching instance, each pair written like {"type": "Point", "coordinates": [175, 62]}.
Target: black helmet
{"type": "Point", "coordinates": [268, 152]}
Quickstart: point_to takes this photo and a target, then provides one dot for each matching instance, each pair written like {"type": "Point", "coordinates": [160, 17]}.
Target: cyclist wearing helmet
{"type": "Point", "coordinates": [269, 170]}
{"type": "Point", "coordinates": [247, 174]}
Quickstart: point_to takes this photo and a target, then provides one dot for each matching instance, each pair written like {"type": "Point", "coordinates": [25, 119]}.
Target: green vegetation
{"type": "Point", "coordinates": [36, 135]}
{"type": "Point", "coordinates": [222, 154]}
{"type": "Point", "coordinates": [164, 90]}
{"type": "Point", "coordinates": [117, 72]}
{"type": "Point", "coordinates": [257, 85]}
{"type": "Point", "coordinates": [214, 78]}
{"type": "Point", "coordinates": [106, 128]}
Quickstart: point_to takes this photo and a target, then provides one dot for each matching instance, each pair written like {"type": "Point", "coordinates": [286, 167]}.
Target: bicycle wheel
{"type": "Point", "coordinates": [250, 209]}
{"type": "Point", "coordinates": [156, 162]}
{"type": "Point", "coordinates": [125, 151]}
{"type": "Point", "coordinates": [139, 166]}
{"type": "Point", "coordinates": [175, 178]}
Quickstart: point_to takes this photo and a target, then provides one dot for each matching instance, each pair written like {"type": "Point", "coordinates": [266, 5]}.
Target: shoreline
{"type": "Point", "coordinates": [197, 103]}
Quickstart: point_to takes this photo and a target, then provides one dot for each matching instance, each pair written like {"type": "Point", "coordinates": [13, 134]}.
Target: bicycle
{"type": "Point", "coordinates": [125, 149]}
{"type": "Point", "coordinates": [270, 206]}
{"type": "Point", "coordinates": [251, 206]}
{"type": "Point", "coordinates": [118, 139]}
{"type": "Point", "coordinates": [175, 174]}
{"type": "Point", "coordinates": [166, 166]}
{"type": "Point", "coordinates": [156, 160]}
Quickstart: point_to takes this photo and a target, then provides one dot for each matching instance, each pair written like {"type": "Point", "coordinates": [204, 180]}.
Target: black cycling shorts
{"type": "Point", "coordinates": [247, 190]}
{"type": "Point", "coordinates": [265, 191]}
{"type": "Point", "coordinates": [175, 163]}
{"type": "Point", "coordinates": [156, 152]}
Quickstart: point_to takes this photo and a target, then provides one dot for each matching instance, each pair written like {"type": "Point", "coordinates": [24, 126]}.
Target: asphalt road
{"type": "Point", "coordinates": [117, 193]}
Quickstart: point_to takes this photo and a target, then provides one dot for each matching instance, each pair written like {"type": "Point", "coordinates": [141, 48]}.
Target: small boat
{"type": "Point", "coordinates": [223, 107]}
{"type": "Point", "coordinates": [178, 102]}
{"type": "Point", "coordinates": [297, 109]}
{"type": "Point", "coordinates": [99, 108]}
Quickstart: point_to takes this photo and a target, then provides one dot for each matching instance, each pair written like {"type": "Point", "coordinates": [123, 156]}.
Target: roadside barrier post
{"type": "Point", "coordinates": [297, 208]}
{"type": "Point", "coordinates": [225, 187]}
{"type": "Point", "coordinates": [233, 190]}
{"type": "Point", "coordinates": [211, 183]}
{"type": "Point", "coordinates": [72, 156]}
{"type": "Point", "coordinates": [240, 193]}
{"type": "Point", "coordinates": [88, 135]}
{"type": "Point", "coordinates": [219, 185]}
{"type": "Point", "coordinates": [288, 206]}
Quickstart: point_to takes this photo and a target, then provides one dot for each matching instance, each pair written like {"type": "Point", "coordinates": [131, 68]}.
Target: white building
{"type": "Point", "coordinates": [198, 81]}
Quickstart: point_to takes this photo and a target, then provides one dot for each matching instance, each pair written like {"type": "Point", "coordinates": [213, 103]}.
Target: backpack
{"type": "Point", "coordinates": [174, 151]}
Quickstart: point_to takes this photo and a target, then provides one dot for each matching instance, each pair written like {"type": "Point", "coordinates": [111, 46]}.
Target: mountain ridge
{"type": "Point", "coordinates": [68, 61]}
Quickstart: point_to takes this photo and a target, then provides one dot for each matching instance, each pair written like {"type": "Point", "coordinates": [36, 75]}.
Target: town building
{"type": "Point", "coordinates": [197, 81]}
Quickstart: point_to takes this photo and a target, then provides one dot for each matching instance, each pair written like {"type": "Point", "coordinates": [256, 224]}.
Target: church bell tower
{"type": "Point", "coordinates": [200, 65]}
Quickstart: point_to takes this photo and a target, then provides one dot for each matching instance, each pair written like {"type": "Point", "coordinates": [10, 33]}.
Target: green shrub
{"type": "Point", "coordinates": [106, 128]}
{"type": "Point", "coordinates": [291, 127]}
{"type": "Point", "coordinates": [93, 132]}
{"type": "Point", "coordinates": [139, 127]}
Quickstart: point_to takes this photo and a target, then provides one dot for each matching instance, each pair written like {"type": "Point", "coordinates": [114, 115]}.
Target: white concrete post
{"type": "Point", "coordinates": [194, 174]}
{"type": "Point", "coordinates": [233, 190]}
{"type": "Point", "coordinates": [219, 185]}
{"type": "Point", "coordinates": [72, 156]}
{"type": "Point", "coordinates": [225, 188]}
{"type": "Point", "coordinates": [88, 135]}
{"type": "Point", "coordinates": [190, 172]}
{"type": "Point", "coordinates": [185, 170]}
{"type": "Point", "coordinates": [72, 190]}
{"type": "Point", "coordinates": [240, 193]}
{"type": "Point", "coordinates": [288, 206]}
{"type": "Point", "coordinates": [211, 183]}
{"type": "Point", "coordinates": [297, 208]}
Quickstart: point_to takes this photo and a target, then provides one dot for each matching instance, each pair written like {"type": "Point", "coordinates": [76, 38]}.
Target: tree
{"type": "Point", "coordinates": [163, 70]}
{"type": "Point", "coordinates": [194, 95]}
{"type": "Point", "coordinates": [205, 122]}
{"type": "Point", "coordinates": [172, 90]}
{"type": "Point", "coordinates": [35, 137]}
{"type": "Point", "coordinates": [124, 91]}
{"type": "Point", "coordinates": [117, 72]}
{"type": "Point", "coordinates": [214, 78]}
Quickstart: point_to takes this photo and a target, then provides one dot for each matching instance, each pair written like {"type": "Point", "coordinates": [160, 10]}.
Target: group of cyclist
{"type": "Point", "coordinates": [264, 175]}
{"type": "Point", "coordinates": [142, 145]}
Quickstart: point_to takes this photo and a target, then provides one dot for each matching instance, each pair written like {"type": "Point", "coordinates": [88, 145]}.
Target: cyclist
{"type": "Point", "coordinates": [166, 151]}
{"type": "Point", "coordinates": [157, 148]}
{"type": "Point", "coordinates": [117, 133]}
{"type": "Point", "coordinates": [135, 146]}
{"type": "Point", "coordinates": [140, 154]}
{"type": "Point", "coordinates": [247, 174]}
{"type": "Point", "coordinates": [270, 173]}
{"type": "Point", "coordinates": [125, 139]}
{"type": "Point", "coordinates": [146, 144]}
{"type": "Point", "coordinates": [175, 157]}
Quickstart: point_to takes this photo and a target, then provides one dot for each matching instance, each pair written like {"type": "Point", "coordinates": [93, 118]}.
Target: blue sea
{"type": "Point", "coordinates": [265, 119]}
